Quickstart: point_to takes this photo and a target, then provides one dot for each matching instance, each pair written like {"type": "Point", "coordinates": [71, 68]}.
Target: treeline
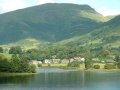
{"type": "Point", "coordinates": [17, 63]}
{"type": "Point", "coordinates": [66, 52]}
{"type": "Point", "coordinates": [20, 59]}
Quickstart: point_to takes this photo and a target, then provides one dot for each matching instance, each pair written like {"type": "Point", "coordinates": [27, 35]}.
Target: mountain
{"type": "Point", "coordinates": [107, 34]}
{"type": "Point", "coordinates": [48, 22]}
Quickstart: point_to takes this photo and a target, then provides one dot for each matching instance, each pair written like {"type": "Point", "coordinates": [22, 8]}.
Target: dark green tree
{"type": "Point", "coordinates": [26, 67]}
{"type": "Point", "coordinates": [15, 50]}
{"type": "Point", "coordinates": [88, 60]}
{"type": "Point", "coordinates": [1, 50]}
{"type": "Point", "coordinates": [117, 58]}
{"type": "Point", "coordinates": [4, 64]}
{"type": "Point", "coordinates": [88, 64]}
{"type": "Point", "coordinates": [15, 63]}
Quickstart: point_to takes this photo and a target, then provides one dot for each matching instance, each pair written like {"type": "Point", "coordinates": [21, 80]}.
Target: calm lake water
{"type": "Point", "coordinates": [58, 79]}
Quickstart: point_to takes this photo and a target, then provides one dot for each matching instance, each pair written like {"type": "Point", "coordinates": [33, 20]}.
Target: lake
{"type": "Point", "coordinates": [59, 79]}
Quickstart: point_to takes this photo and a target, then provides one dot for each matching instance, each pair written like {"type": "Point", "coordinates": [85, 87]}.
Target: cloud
{"type": "Point", "coordinates": [10, 5]}
{"type": "Point", "coordinates": [106, 11]}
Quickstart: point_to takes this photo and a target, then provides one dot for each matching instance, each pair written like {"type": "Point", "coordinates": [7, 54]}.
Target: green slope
{"type": "Point", "coordinates": [27, 44]}
{"type": "Point", "coordinates": [48, 22]}
{"type": "Point", "coordinates": [107, 34]}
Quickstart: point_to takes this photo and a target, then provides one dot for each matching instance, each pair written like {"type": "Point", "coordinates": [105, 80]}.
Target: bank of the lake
{"type": "Point", "coordinates": [61, 66]}
{"type": "Point", "coordinates": [81, 68]}
{"type": "Point", "coordinates": [103, 70]}
{"type": "Point", "coordinates": [15, 74]}
{"type": "Point", "coordinates": [60, 79]}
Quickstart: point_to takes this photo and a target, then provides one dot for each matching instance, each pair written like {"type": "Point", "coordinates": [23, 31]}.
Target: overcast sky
{"type": "Point", "coordinates": [105, 7]}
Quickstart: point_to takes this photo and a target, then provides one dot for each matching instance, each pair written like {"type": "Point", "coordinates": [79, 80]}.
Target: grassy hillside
{"type": "Point", "coordinates": [27, 44]}
{"type": "Point", "coordinates": [48, 22]}
{"type": "Point", "coordinates": [107, 34]}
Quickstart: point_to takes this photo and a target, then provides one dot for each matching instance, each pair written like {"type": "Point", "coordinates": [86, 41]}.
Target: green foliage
{"type": "Point", "coordinates": [41, 55]}
{"type": "Point", "coordinates": [25, 66]}
{"type": "Point", "coordinates": [96, 66]}
{"type": "Point", "coordinates": [74, 64]}
{"type": "Point", "coordinates": [88, 63]}
{"type": "Point", "coordinates": [117, 58]}
{"type": "Point", "coordinates": [118, 64]}
{"type": "Point", "coordinates": [4, 64]}
{"type": "Point", "coordinates": [15, 50]}
{"type": "Point", "coordinates": [15, 65]}
{"type": "Point", "coordinates": [104, 53]}
{"type": "Point", "coordinates": [109, 66]}
{"type": "Point", "coordinates": [39, 65]}
{"type": "Point", "coordinates": [1, 50]}
{"type": "Point", "coordinates": [32, 68]}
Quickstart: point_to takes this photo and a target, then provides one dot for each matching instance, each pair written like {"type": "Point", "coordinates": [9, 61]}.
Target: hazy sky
{"type": "Point", "coordinates": [105, 7]}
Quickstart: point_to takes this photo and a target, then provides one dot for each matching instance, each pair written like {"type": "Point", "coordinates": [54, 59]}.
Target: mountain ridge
{"type": "Point", "coordinates": [51, 23]}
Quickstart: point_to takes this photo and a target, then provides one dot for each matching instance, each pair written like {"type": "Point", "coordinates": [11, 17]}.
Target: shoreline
{"type": "Point", "coordinates": [15, 74]}
{"type": "Point", "coordinates": [3, 74]}
{"type": "Point", "coordinates": [89, 70]}
{"type": "Point", "coordinates": [102, 70]}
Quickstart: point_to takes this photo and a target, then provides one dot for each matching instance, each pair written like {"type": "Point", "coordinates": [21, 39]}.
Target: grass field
{"type": "Point", "coordinates": [8, 56]}
{"type": "Point", "coordinates": [54, 65]}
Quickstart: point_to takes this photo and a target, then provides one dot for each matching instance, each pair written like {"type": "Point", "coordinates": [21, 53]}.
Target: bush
{"type": "Point", "coordinates": [4, 64]}
{"type": "Point", "coordinates": [15, 65]}
{"type": "Point", "coordinates": [74, 64]}
{"type": "Point", "coordinates": [39, 65]}
{"type": "Point", "coordinates": [109, 66]}
{"type": "Point", "coordinates": [33, 68]}
{"type": "Point", "coordinates": [49, 65]}
{"type": "Point", "coordinates": [88, 64]}
{"type": "Point", "coordinates": [118, 65]}
{"type": "Point", "coordinates": [96, 66]}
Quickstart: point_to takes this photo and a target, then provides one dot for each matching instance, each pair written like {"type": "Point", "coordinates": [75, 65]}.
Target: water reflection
{"type": "Point", "coordinates": [66, 80]}
{"type": "Point", "coordinates": [16, 79]}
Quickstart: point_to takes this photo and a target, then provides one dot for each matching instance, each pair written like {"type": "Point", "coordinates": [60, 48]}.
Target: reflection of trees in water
{"type": "Point", "coordinates": [24, 79]}
{"type": "Point", "coordinates": [60, 80]}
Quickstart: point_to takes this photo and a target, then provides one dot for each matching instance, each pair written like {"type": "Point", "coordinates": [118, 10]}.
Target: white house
{"type": "Point", "coordinates": [46, 61]}
{"type": "Point", "coordinates": [35, 62]}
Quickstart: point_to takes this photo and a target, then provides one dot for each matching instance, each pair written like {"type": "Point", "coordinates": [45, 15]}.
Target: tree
{"type": "Point", "coordinates": [88, 64]}
{"type": "Point", "coordinates": [15, 63]}
{"type": "Point", "coordinates": [74, 64]}
{"type": "Point", "coordinates": [104, 53]}
{"type": "Point", "coordinates": [88, 61]}
{"type": "Point", "coordinates": [15, 50]}
{"type": "Point", "coordinates": [1, 50]}
{"type": "Point", "coordinates": [61, 55]}
{"type": "Point", "coordinates": [26, 67]}
{"type": "Point", "coordinates": [109, 66]}
{"type": "Point", "coordinates": [4, 64]}
{"type": "Point", "coordinates": [117, 58]}
{"type": "Point", "coordinates": [96, 66]}
{"type": "Point", "coordinates": [24, 56]}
